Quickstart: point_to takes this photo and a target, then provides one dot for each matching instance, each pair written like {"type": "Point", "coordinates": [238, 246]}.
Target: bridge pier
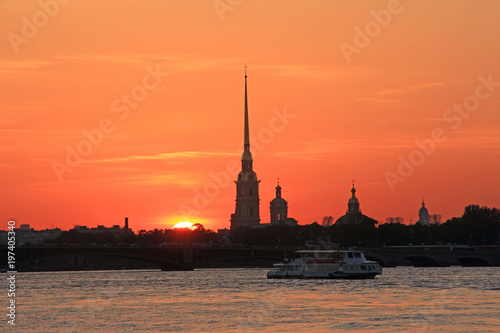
{"type": "Point", "coordinates": [170, 268]}
{"type": "Point", "coordinates": [186, 265]}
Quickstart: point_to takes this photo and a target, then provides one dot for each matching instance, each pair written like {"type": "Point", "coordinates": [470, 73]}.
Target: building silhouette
{"type": "Point", "coordinates": [423, 215]}
{"type": "Point", "coordinates": [353, 214]}
{"type": "Point", "coordinates": [279, 209]}
{"type": "Point", "coordinates": [424, 218]}
{"type": "Point", "coordinates": [246, 213]}
{"type": "Point", "coordinates": [435, 218]}
{"type": "Point", "coordinates": [396, 219]}
{"type": "Point", "coordinates": [28, 235]}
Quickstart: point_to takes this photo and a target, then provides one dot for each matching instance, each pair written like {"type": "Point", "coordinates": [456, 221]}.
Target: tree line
{"type": "Point", "coordinates": [477, 226]}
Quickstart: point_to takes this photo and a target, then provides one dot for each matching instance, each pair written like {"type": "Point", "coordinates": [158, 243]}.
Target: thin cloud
{"type": "Point", "coordinates": [376, 100]}
{"type": "Point", "coordinates": [21, 66]}
{"type": "Point", "coordinates": [320, 150]}
{"type": "Point", "coordinates": [410, 88]}
{"type": "Point", "coordinates": [175, 62]}
{"type": "Point", "coordinates": [180, 179]}
{"type": "Point", "coordinates": [163, 156]}
{"type": "Point", "coordinates": [321, 72]}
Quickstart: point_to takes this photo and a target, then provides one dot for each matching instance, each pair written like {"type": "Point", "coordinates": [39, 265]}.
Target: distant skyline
{"type": "Point", "coordinates": [135, 109]}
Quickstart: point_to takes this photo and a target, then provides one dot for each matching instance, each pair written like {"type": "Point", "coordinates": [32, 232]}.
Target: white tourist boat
{"type": "Point", "coordinates": [326, 264]}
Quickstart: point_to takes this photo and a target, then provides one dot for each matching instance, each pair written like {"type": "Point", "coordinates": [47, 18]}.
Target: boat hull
{"type": "Point", "coordinates": [326, 264]}
{"type": "Point", "coordinates": [352, 276]}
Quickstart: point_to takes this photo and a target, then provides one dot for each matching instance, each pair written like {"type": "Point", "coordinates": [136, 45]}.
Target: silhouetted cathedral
{"type": "Point", "coordinates": [278, 207]}
{"type": "Point", "coordinates": [247, 186]}
{"type": "Point", "coordinates": [423, 215]}
{"type": "Point", "coordinates": [353, 214]}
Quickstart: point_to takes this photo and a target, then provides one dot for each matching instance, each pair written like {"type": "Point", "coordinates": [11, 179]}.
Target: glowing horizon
{"type": "Point", "coordinates": [103, 119]}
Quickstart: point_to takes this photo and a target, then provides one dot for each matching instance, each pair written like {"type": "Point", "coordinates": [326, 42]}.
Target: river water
{"type": "Point", "coordinates": [402, 299]}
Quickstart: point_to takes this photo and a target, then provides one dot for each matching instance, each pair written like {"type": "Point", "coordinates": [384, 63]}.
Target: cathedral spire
{"type": "Point", "coordinates": [247, 185]}
{"type": "Point", "coordinates": [246, 142]}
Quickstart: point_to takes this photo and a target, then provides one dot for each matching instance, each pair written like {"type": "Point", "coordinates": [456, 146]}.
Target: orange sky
{"type": "Point", "coordinates": [69, 68]}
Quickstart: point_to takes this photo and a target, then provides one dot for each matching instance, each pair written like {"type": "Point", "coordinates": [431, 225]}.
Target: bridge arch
{"type": "Point", "coordinates": [472, 261]}
{"type": "Point", "coordinates": [423, 261]}
{"type": "Point", "coordinates": [76, 257]}
{"type": "Point", "coordinates": [377, 259]}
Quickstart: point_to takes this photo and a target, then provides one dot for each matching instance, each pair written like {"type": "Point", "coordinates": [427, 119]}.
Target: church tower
{"type": "Point", "coordinates": [353, 203]}
{"type": "Point", "coordinates": [247, 185]}
{"type": "Point", "coordinates": [278, 207]}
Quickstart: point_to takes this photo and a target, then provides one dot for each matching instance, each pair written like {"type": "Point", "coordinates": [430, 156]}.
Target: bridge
{"type": "Point", "coordinates": [436, 255]}
{"type": "Point", "coordinates": [174, 257]}
{"type": "Point", "coordinates": [187, 256]}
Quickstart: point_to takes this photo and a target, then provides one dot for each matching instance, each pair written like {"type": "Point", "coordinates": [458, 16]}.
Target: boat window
{"type": "Point", "coordinates": [363, 268]}
{"type": "Point", "coordinates": [349, 255]}
{"type": "Point", "coordinates": [357, 255]}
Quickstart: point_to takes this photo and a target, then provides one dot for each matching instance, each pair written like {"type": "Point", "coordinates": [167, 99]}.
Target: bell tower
{"type": "Point", "coordinates": [247, 185]}
{"type": "Point", "coordinates": [278, 207]}
{"type": "Point", "coordinates": [353, 203]}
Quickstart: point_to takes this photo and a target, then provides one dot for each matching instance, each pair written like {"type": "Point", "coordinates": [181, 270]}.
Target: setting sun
{"type": "Point", "coordinates": [356, 90]}
{"type": "Point", "coordinates": [184, 224]}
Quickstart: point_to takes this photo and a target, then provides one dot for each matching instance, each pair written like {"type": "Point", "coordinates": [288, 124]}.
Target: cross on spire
{"type": "Point", "coordinates": [246, 141]}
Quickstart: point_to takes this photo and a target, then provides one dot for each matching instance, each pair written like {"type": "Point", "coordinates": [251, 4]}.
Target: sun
{"type": "Point", "coordinates": [184, 224]}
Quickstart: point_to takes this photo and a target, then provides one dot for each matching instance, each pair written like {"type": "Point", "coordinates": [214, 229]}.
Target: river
{"type": "Point", "coordinates": [402, 299]}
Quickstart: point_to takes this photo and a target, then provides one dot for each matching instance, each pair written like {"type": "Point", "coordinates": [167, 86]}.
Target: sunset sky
{"type": "Point", "coordinates": [338, 90]}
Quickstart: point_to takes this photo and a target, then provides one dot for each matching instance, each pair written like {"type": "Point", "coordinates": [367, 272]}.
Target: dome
{"type": "Point", "coordinates": [423, 210]}
{"type": "Point", "coordinates": [278, 200]}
